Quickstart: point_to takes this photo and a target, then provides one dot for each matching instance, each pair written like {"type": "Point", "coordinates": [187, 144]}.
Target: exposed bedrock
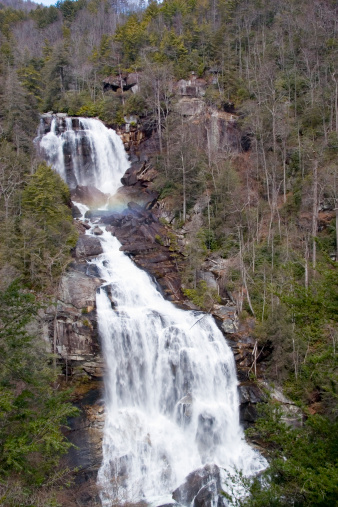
{"type": "Point", "coordinates": [141, 234]}
{"type": "Point", "coordinates": [73, 324]}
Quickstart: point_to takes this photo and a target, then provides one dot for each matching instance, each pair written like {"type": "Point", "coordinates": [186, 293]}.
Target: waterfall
{"type": "Point", "coordinates": [84, 152]}
{"type": "Point", "coordinates": [171, 400]}
{"type": "Point", "coordinates": [171, 389]}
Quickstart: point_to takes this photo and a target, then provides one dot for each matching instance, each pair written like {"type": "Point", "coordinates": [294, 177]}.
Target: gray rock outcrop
{"type": "Point", "coordinates": [72, 322]}
{"type": "Point", "coordinates": [202, 488]}
{"type": "Point", "coordinates": [88, 246]}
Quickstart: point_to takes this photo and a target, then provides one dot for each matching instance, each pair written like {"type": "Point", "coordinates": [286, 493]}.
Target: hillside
{"type": "Point", "coordinates": [235, 105]}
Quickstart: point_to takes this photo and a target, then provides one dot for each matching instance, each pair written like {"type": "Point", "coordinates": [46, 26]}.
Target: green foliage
{"type": "Point", "coordinates": [9, 17]}
{"type": "Point", "coordinates": [90, 109]}
{"type": "Point", "coordinates": [56, 74]}
{"type": "Point", "coordinates": [314, 313]}
{"type": "Point", "coordinates": [46, 230]}
{"type": "Point", "coordinates": [19, 115]}
{"type": "Point", "coordinates": [30, 77]}
{"type": "Point", "coordinates": [303, 468]}
{"type": "Point", "coordinates": [203, 296]}
{"type": "Point", "coordinates": [69, 8]}
{"type": "Point", "coordinates": [31, 410]}
{"type": "Point", "coordinates": [44, 16]}
{"type": "Point", "coordinates": [135, 104]}
{"type": "Point", "coordinates": [132, 36]}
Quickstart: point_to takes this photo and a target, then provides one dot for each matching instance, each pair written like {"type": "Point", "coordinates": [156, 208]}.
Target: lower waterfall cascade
{"type": "Point", "coordinates": [171, 402]}
{"type": "Point", "coordinates": [171, 389]}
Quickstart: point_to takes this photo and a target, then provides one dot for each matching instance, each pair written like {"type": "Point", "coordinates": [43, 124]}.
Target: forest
{"type": "Point", "coordinates": [271, 203]}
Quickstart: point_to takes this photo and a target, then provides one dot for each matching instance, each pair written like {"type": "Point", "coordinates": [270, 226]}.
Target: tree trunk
{"type": "Point", "coordinates": [314, 214]}
{"type": "Point", "coordinates": [336, 210]}
{"type": "Point", "coordinates": [159, 126]}
{"type": "Point", "coordinates": [184, 189]}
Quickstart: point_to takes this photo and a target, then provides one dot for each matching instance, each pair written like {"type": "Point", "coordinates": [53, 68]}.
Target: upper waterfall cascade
{"type": "Point", "coordinates": [84, 152]}
{"type": "Point", "coordinates": [171, 400]}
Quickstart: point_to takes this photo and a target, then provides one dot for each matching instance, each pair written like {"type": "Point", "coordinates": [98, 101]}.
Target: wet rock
{"type": "Point", "coordinates": [249, 396]}
{"type": "Point", "coordinates": [138, 210]}
{"type": "Point", "coordinates": [85, 433]}
{"type": "Point", "coordinates": [86, 225]}
{"type": "Point", "coordinates": [207, 495]}
{"type": "Point", "coordinates": [137, 248]}
{"type": "Point", "coordinates": [79, 226]}
{"type": "Point", "coordinates": [90, 196]}
{"type": "Point", "coordinates": [130, 177]}
{"type": "Point", "coordinates": [97, 231]}
{"type": "Point", "coordinates": [88, 246]}
{"type": "Point", "coordinates": [76, 213]}
{"type": "Point", "coordinates": [202, 488]}
{"type": "Point", "coordinates": [140, 233]}
{"type": "Point", "coordinates": [145, 197]}
{"type": "Point", "coordinates": [111, 229]}
{"type": "Point", "coordinates": [208, 435]}
{"type": "Point", "coordinates": [251, 393]}
{"type": "Point", "coordinates": [184, 410]}
{"type": "Point", "coordinates": [108, 217]}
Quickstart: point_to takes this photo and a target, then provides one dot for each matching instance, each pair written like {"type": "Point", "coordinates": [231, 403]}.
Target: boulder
{"type": "Point", "coordinates": [106, 216]}
{"type": "Point", "coordinates": [138, 210]}
{"type": "Point", "coordinates": [228, 316]}
{"type": "Point", "coordinates": [145, 197]}
{"type": "Point", "coordinates": [292, 415]}
{"type": "Point", "coordinates": [90, 196]}
{"type": "Point", "coordinates": [76, 213]}
{"type": "Point", "coordinates": [192, 87]}
{"type": "Point", "coordinates": [130, 176]}
{"type": "Point", "coordinates": [88, 246]}
{"type": "Point", "coordinates": [121, 81]}
{"type": "Point", "coordinates": [97, 231]}
{"type": "Point", "coordinates": [202, 488]}
{"type": "Point", "coordinates": [111, 229]}
{"type": "Point", "coordinates": [249, 395]}
{"type": "Point", "coordinates": [86, 225]}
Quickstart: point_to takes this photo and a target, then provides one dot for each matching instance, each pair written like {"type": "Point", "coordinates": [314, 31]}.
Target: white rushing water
{"type": "Point", "coordinates": [95, 154]}
{"type": "Point", "coordinates": [170, 388]}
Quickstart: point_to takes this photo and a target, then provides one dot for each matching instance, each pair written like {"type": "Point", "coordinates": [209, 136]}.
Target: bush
{"type": "Point", "coordinates": [203, 296]}
{"type": "Point", "coordinates": [135, 104]}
